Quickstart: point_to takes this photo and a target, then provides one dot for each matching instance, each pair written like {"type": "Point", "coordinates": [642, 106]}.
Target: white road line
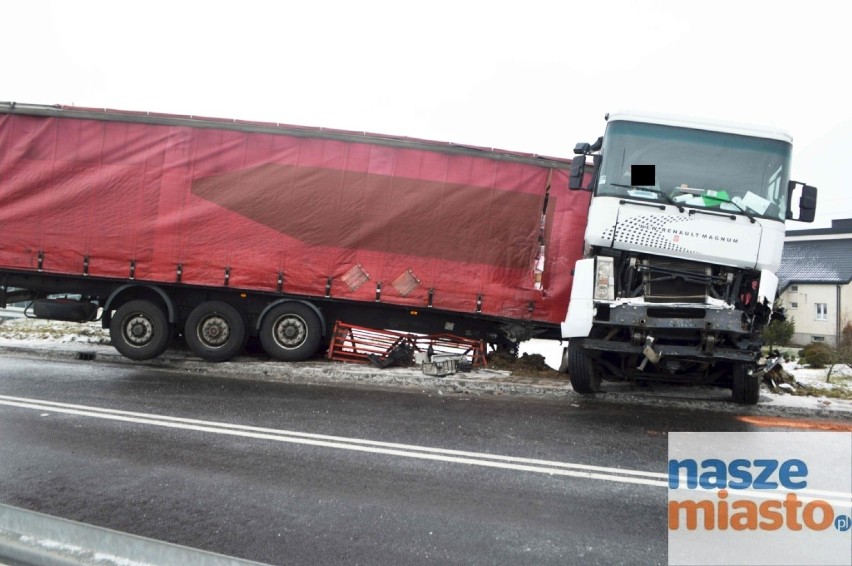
{"type": "Point", "coordinates": [370, 446]}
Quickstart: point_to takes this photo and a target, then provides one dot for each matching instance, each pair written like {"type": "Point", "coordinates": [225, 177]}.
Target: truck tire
{"type": "Point", "coordinates": [140, 330]}
{"type": "Point", "coordinates": [291, 332]}
{"type": "Point", "coordinates": [215, 331]}
{"type": "Point", "coordinates": [581, 369]}
{"type": "Point", "coordinates": [745, 387]}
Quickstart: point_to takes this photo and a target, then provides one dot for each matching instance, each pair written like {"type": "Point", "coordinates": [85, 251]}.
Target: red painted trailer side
{"type": "Point", "coordinates": [308, 212]}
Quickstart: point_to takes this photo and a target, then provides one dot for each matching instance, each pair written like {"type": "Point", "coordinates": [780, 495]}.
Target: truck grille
{"type": "Point", "coordinates": [674, 281]}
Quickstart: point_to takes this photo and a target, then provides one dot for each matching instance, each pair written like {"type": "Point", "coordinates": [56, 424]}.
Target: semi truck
{"type": "Point", "coordinates": [652, 251]}
{"type": "Point", "coordinates": [684, 236]}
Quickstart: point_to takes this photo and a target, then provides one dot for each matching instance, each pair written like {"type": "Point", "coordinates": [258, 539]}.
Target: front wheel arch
{"type": "Point", "coordinates": [132, 291]}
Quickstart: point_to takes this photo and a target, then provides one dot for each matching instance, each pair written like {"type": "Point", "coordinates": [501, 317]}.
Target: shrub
{"type": "Point", "coordinates": [816, 355]}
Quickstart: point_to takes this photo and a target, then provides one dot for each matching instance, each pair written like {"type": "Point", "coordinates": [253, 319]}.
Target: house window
{"type": "Point", "coordinates": [817, 338]}
{"type": "Point", "coordinates": [794, 288]}
{"type": "Point", "coordinates": [822, 311]}
{"type": "Point", "coordinates": [794, 305]}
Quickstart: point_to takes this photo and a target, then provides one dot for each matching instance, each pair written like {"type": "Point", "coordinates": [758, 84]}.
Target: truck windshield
{"type": "Point", "coordinates": [697, 168]}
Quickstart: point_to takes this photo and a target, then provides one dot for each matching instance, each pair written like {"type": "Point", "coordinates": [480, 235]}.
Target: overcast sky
{"type": "Point", "coordinates": [526, 75]}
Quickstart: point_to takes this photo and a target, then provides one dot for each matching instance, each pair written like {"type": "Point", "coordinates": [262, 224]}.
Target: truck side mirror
{"type": "Point", "coordinates": [578, 167]}
{"type": "Point", "coordinates": [807, 202]}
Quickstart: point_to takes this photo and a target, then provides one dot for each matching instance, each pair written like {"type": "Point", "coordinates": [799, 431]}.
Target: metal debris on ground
{"type": "Point", "coordinates": [441, 366]}
{"type": "Point", "coordinates": [437, 354]}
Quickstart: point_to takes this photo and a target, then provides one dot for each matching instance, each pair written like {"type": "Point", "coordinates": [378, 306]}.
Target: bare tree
{"type": "Point", "coordinates": [842, 354]}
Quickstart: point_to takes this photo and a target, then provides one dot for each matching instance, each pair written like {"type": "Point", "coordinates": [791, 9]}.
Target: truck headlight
{"type": "Point", "coordinates": [604, 279]}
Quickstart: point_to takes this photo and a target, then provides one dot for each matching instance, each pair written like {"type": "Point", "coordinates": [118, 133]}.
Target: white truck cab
{"type": "Point", "coordinates": [685, 233]}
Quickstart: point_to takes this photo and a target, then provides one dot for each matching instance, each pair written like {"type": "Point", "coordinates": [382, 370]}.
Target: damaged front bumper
{"type": "Point", "coordinates": [698, 332]}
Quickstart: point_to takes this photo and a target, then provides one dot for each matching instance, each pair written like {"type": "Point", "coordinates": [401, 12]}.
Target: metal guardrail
{"type": "Point", "coordinates": [11, 312]}
{"type": "Point", "coordinates": [30, 538]}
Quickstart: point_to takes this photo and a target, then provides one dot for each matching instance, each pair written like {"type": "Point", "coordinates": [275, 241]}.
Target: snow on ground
{"type": "Point", "coordinates": [840, 375]}
{"type": "Point", "coordinates": [25, 329]}
{"type": "Point", "coordinates": [67, 340]}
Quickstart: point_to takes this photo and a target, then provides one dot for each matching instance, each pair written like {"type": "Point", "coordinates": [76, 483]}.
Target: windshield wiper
{"type": "Point", "coordinates": [744, 211]}
{"type": "Point", "coordinates": [650, 189]}
{"type": "Point", "coordinates": [728, 201]}
{"type": "Point", "coordinates": [688, 191]}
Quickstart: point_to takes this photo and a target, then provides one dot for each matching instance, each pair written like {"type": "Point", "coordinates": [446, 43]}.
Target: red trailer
{"type": "Point", "coordinates": [224, 229]}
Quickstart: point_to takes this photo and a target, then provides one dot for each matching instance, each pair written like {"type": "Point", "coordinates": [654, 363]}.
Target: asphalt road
{"type": "Point", "coordinates": [284, 473]}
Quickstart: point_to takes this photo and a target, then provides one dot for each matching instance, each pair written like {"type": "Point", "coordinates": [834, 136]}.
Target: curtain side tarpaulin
{"type": "Point", "coordinates": [260, 204]}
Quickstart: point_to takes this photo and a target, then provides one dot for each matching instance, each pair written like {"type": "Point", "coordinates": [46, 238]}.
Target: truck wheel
{"type": "Point", "coordinates": [290, 332]}
{"type": "Point", "coordinates": [745, 388]}
{"type": "Point", "coordinates": [215, 331]}
{"type": "Point", "coordinates": [581, 368]}
{"type": "Point", "coordinates": [140, 330]}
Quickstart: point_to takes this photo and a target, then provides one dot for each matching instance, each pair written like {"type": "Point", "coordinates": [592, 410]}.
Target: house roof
{"type": "Point", "coordinates": [839, 227]}
{"type": "Point", "coordinates": [816, 261]}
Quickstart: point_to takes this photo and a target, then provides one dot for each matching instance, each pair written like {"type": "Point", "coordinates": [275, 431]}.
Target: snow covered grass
{"type": "Point", "coordinates": [817, 382]}
{"type": "Point", "coordinates": [55, 331]}
{"type": "Point", "coordinates": [840, 375]}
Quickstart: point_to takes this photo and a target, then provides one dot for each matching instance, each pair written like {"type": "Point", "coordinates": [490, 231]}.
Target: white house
{"type": "Point", "coordinates": [816, 281]}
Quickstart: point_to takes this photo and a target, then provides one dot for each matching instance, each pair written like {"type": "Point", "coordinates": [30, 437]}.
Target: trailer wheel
{"type": "Point", "coordinates": [291, 332]}
{"type": "Point", "coordinates": [140, 330]}
{"type": "Point", "coordinates": [581, 369]}
{"type": "Point", "coordinates": [215, 331]}
{"type": "Point", "coordinates": [745, 388]}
